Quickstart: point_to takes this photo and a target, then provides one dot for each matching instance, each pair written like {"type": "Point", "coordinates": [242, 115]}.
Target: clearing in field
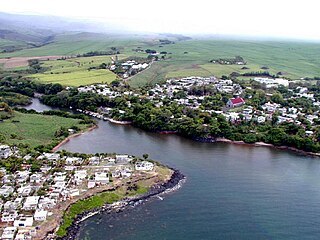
{"type": "Point", "coordinates": [76, 71]}
{"type": "Point", "coordinates": [34, 129]}
{"type": "Point", "coordinates": [16, 62]}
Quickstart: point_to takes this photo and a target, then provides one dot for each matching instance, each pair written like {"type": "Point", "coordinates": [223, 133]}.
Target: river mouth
{"type": "Point", "coordinates": [232, 191]}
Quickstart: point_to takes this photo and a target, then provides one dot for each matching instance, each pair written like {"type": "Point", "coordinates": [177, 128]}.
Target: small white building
{"type": "Point", "coordinates": [73, 160]}
{"type": "Point", "coordinates": [101, 177]}
{"type": "Point", "coordinates": [79, 176]}
{"type": "Point", "coordinates": [40, 215]}
{"type": "Point", "coordinates": [31, 203]}
{"type": "Point", "coordinates": [47, 203]}
{"type": "Point", "coordinates": [144, 166]}
{"type": "Point", "coordinates": [9, 216]}
{"type": "Point", "coordinates": [23, 221]}
{"type": "Point", "coordinates": [5, 151]}
{"type": "Point", "coordinates": [74, 192]}
{"type": "Point", "coordinates": [8, 233]}
{"type": "Point", "coordinates": [91, 184]}
{"type": "Point", "coordinates": [6, 190]}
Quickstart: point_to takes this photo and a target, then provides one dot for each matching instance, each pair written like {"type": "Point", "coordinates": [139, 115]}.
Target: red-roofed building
{"type": "Point", "coordinates": [235, 102]}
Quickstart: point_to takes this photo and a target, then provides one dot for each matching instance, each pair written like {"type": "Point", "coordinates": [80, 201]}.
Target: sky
{"type": "Point", "coordinates": [272, 18]}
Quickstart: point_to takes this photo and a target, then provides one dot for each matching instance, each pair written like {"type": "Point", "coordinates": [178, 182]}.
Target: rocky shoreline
{"type": "Point", "coordinates": [172, 184]}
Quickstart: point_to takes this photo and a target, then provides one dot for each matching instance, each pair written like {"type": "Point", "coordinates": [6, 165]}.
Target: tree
{"type": "Point", "coordinates": [145, 156]}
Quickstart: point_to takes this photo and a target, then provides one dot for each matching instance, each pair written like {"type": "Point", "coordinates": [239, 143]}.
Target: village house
{"type": "Point", "coordinates": [35, 178]}
{"type": "Point", "coordinates": [5, 190]}
{"type": "Point", "coordinates": [5, 151]}
{"type": "Point", "coordinates": [26, 233]}
{"type": "Point", "coordinates": [22, 176]}
{"type": "Point", "coordinates": [8, 179]}
{"type": "Point", "coordinates": [123, 158]}
{"type": "Point", "coordinates": [94, 160]}
{"type": "Point", "coordinates": [23, 221]}
{"type": "Point", "coordinates": [125, 173]}
{"type": "Point", "coordinates": [73, 193]}
{"type": "Point", "coordinates": [40, 215]}
{"type": "Point", "coordinates": [144, 166]}
{"type": "Point", "coordinates": [8, 233]}
{"type": "Point", "coordinates": [73, 160]}
{"type": "Point", "coordinates": [101, 177]}
{"type": "Point", "coordinates": [31, 203]}
{"type": "Point", "coordinates": [47, 203]}
{"type": "Point", "coordinates": [79, 176]}
{"type": "Point", "coordinates": [235, 102]}
{"type": "Point", "coordinates": [24, 191]}
{"type": "Point", "coordinates": [13, 205]}
{"type": "Point", "coordinates": [50, 156]}
{"type": "Point", "coordinates": [91, 184]}
{"type": "Point", "coordinates": [9, 216]}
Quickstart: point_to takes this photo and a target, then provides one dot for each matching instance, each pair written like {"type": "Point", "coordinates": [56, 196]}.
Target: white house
{"type": "Point", "coordinates": [47, 203]}
{"type": "Point", "coordinates": [79, 176]}
{"type": "Point", "coordinates": [101, 177]}
{"type": "Point", "coordinates": [23, 221]}
{"type": "Point", "coordinates": [9, 216]}
{"type": "Point", "coordinates": [8, 233]}
{"type": "Point", "coordinates": [144, 166]}
{"type": "Point", "coordinates": [40, 215]}
{"type": "Point", "coordinates": [6, 190]}
{"type": "Point", "coordinates": [31, 203]}
{"type": "Point", "coordinates": [123, 158]}
{"type": "Point", "coordinates": [73, 160]}
{"type": "Point", "coordinates": [5, 151]}
{"type": "Point", "coordinates": [91, 184]}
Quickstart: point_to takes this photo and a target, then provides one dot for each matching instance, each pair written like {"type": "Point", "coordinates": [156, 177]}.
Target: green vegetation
{"type": "Point", "coordinates": [76, 71]}
{"type": "Point", "coordinates": [13, 99]}
{"type": "Point", "coordinates": [35, 129]}
{"type": "Point", "coordinates": [86, 205]}
{"type": "Point", "coordinates": [293, 60]}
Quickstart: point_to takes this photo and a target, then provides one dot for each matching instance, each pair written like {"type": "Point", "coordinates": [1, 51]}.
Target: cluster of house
{"type": "Point", "coordinates": [172, 86]}
{"type": "Point", "coordinates": [272, 83]}
{"type": "Point", "coordinates": [29, 198]}
{"type": "Point", "coordinates": [128, 68]}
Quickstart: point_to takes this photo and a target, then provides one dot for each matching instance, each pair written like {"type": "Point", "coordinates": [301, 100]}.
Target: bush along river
{"type": "Point", "coordinates": [231, 192]}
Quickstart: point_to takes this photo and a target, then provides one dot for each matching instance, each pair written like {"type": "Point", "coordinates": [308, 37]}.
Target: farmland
{"type": "Point", "coordinates": [294, 60]}
{"type": "Point", "coordinates": [76, 71]}
{"type": "Point", "coordinates": [21, 128]}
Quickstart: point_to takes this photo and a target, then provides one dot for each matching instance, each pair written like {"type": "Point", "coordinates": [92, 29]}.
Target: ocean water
{"type": "Point", "coordinates": [231, 191]}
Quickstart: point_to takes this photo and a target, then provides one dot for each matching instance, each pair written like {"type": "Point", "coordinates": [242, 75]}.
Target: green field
{"type": "Point", "coordinates": [191, 57]}
{"type": "Point", "coordinates": [78, 43]}
{"type": "Point", "coordinates": [74, 71]}
{"type": "Point", "coordinates": [34, 129]}
{"type": "Point", "coordinates": [294, 59]}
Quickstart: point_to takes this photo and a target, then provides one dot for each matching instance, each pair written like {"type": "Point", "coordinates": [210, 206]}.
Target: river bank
{"type": "Point", "coordinates": [67, 139]}
{"type": "Point", "coordinates": [257, 144]}
{"type": "Point", "coordinates": [175, 181]}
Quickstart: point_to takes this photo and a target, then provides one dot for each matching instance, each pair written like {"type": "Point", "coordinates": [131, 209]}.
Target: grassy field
{"type": "Point", "coordinates": [295, 59]}
{"type": "Point", "coordinates": [74, 71]}
{"type": "Point", "coordinates": [34, 129]}
{"type": "Point", "coordinates": [79, 43]}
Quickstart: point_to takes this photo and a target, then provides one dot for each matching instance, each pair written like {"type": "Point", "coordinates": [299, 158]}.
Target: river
{"type": "Point", "coordinates": [231, 192]}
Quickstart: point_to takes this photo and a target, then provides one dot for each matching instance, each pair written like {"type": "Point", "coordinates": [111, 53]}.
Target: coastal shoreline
{"type": "Point", "coordinates": [257, 144]}
{"type": "Point", "coordinates": [67, 139]}
{"type": "Point", "coordinates": [174, 183]}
